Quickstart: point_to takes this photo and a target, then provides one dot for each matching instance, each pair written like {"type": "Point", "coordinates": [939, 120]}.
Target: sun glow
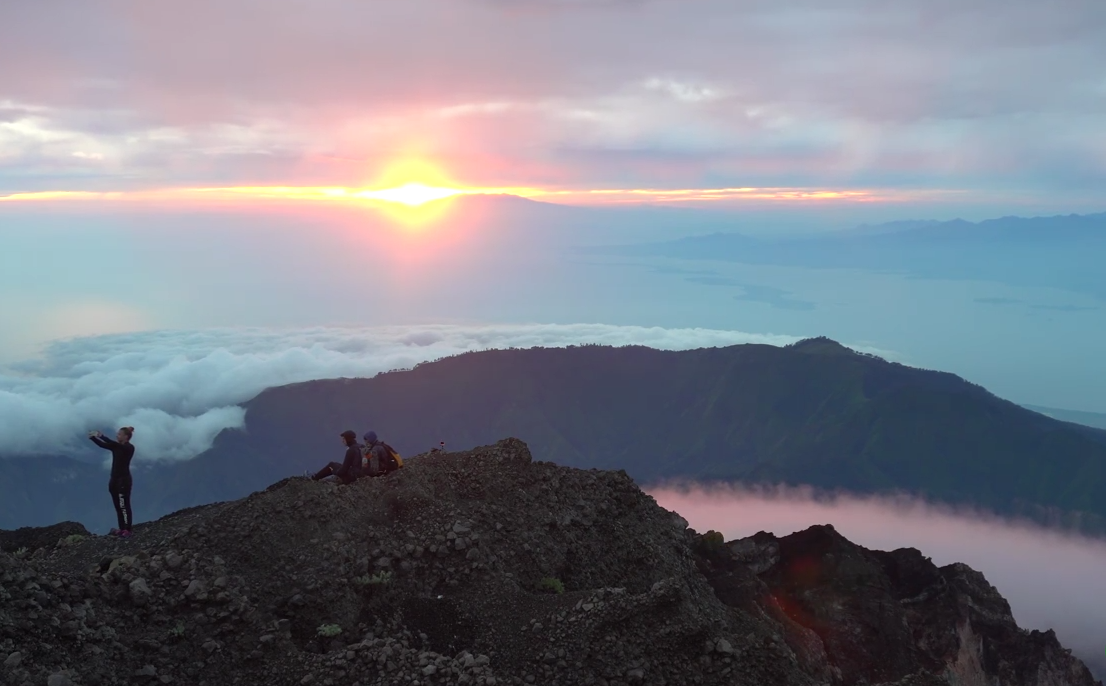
{"type": "Point", "coordinates": [411, 194]}
{"type": "Point", "coordinates": [414, 192]}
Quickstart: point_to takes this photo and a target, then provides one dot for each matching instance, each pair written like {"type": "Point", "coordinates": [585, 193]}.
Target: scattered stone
{"type": "Point", "coordinates": [140, 592]}
{"type": "Point", "coordinates": [195, 588]}
{"type": "Point", "coordinates": [390, 601]}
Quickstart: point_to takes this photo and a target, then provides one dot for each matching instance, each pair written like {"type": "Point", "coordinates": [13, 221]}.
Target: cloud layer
{"type": "Point", "coordinates": [180, 389]}
{"type": "Point", "coordinates": [983, 94]}
{"type": "Point", "coordinates": [1051, 579]}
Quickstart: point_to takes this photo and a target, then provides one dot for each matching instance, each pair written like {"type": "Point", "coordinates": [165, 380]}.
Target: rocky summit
{"type": "Point", "coordinates": [483, 568]}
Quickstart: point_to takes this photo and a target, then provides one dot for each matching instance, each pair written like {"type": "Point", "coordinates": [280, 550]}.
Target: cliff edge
{"type": "Point", "coordinates": [487, 568]}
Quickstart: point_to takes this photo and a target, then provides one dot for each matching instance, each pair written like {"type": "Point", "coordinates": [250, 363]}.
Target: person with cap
{"type": "Point", "coordinates": [349, 470]}
{"type": "Point", "coordinates": [378, 456]}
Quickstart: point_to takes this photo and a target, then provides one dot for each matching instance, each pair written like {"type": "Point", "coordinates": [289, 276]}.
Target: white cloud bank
{"type": "Point", "coordinates": [180, 389]}
{"type": "Point", "coordinates": [1052, 580]}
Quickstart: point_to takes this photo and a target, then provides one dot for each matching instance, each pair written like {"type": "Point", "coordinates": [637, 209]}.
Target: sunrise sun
{"type": "Point", "coordinates": [411, 194]}
{"type": "Point", "coordinates": [411, 182]}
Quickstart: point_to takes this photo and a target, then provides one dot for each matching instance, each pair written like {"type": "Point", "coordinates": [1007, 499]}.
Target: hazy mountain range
{"type": "Point", "coordinates": [1063, 252]}
{"type": "Point", "coordinates": [1095, 419]}
{"type": "Point", "coordinates": [812, 413]}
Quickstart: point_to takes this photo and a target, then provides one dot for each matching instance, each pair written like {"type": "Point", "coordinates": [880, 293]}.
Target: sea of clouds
{"type": "Point", "coordinates": [1052, 579]}
{"type": "Point", "coordinates": [181, 388]}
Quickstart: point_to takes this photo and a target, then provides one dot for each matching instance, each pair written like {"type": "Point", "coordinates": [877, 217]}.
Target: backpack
{"type": "Point", "coordinates": [392, 460]}
{"type": "Point", "coordinates": [397, 461]}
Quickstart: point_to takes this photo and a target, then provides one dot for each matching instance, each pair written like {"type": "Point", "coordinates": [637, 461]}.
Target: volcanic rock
{"type": "Point", "coordinates": [578, 578]}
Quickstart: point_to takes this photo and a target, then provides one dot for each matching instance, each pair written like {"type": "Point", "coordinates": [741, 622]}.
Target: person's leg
{"type": "Point", "coordinates": [125, 505]}
{"type": "Point", "coordinates": [328, 470]}
{"type": "Point", "coordinates": [116, 500]}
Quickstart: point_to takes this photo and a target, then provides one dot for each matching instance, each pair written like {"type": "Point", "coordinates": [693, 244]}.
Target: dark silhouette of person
{"type": "Point", "coordinates": [349, 470]}
{"type": "Point", "coordinates": [120, 483]}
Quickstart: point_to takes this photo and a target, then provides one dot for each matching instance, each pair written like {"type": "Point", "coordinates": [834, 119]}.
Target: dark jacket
{"type": "Point", "coordinates": [351, 466]}
{"type": "Point", "coordinates": [121, 454]}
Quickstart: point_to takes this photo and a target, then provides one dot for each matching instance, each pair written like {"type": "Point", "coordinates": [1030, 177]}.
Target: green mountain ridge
{"type": "Point", "coordinates": [813, 413]}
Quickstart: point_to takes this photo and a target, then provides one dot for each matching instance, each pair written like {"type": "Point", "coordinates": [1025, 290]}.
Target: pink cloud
{"type": "Point", "coordinates": [588, 94]}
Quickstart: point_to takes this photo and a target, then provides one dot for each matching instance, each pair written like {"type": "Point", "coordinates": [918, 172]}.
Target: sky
{"type": "Point", "coordinates": [978, 103]}
{"type": "Point", "coordinates": [168, 170]}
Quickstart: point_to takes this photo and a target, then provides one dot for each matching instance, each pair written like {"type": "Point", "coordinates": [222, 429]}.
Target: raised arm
{"type": "Point", "coordinates": [104, 442]}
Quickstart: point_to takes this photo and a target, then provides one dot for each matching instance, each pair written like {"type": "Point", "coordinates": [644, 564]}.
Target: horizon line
{"type": "Point", "coordinates": [416, 195]}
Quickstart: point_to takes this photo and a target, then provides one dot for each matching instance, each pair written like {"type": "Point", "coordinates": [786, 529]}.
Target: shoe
{"type": "Point", "coordinates": [113, 532]}
{"type": "Point", "coordinates": [125, 533]}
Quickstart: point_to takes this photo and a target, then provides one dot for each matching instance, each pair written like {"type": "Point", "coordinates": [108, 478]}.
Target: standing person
{"type": "Point", "coordinates": [119, 485]}
{"type": "Point", "coordinates": [350, 469]}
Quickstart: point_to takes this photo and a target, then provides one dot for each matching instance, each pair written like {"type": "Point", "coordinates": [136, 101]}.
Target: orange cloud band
{"type": "Point", "coordinates": [416, 194]}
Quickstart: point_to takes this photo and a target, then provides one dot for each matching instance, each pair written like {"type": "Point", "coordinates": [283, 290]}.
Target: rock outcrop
{"type": "Point", "coordinates": [31, 538]}
{"type": "Point", "coordinates": [876, 617]}
{"type": "Point", "coordinates": [487, 568]}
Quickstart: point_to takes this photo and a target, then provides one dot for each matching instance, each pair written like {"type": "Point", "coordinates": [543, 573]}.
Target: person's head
{"type": "Point", "coordinates": [349, 437]}
{"type": "Point", "coordinates": [370, 438]}
{"type": "Point", "coordinates": [124, 434]}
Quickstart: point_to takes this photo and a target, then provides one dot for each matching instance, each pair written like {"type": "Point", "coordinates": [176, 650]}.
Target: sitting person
{"type": "Point", "coordinates": [347, 471]}
{"type": "Point", "coordinates": [380, 458]}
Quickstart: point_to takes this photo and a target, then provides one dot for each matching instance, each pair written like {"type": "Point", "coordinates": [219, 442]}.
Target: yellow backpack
{"type": "Point", "coordinates": [394, 453]}
{"type": "Point", "coordinates": [366, 452]}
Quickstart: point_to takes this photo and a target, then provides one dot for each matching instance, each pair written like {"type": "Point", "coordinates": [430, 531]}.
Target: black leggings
{"type": "Point", "coordinates": [120, 489]}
